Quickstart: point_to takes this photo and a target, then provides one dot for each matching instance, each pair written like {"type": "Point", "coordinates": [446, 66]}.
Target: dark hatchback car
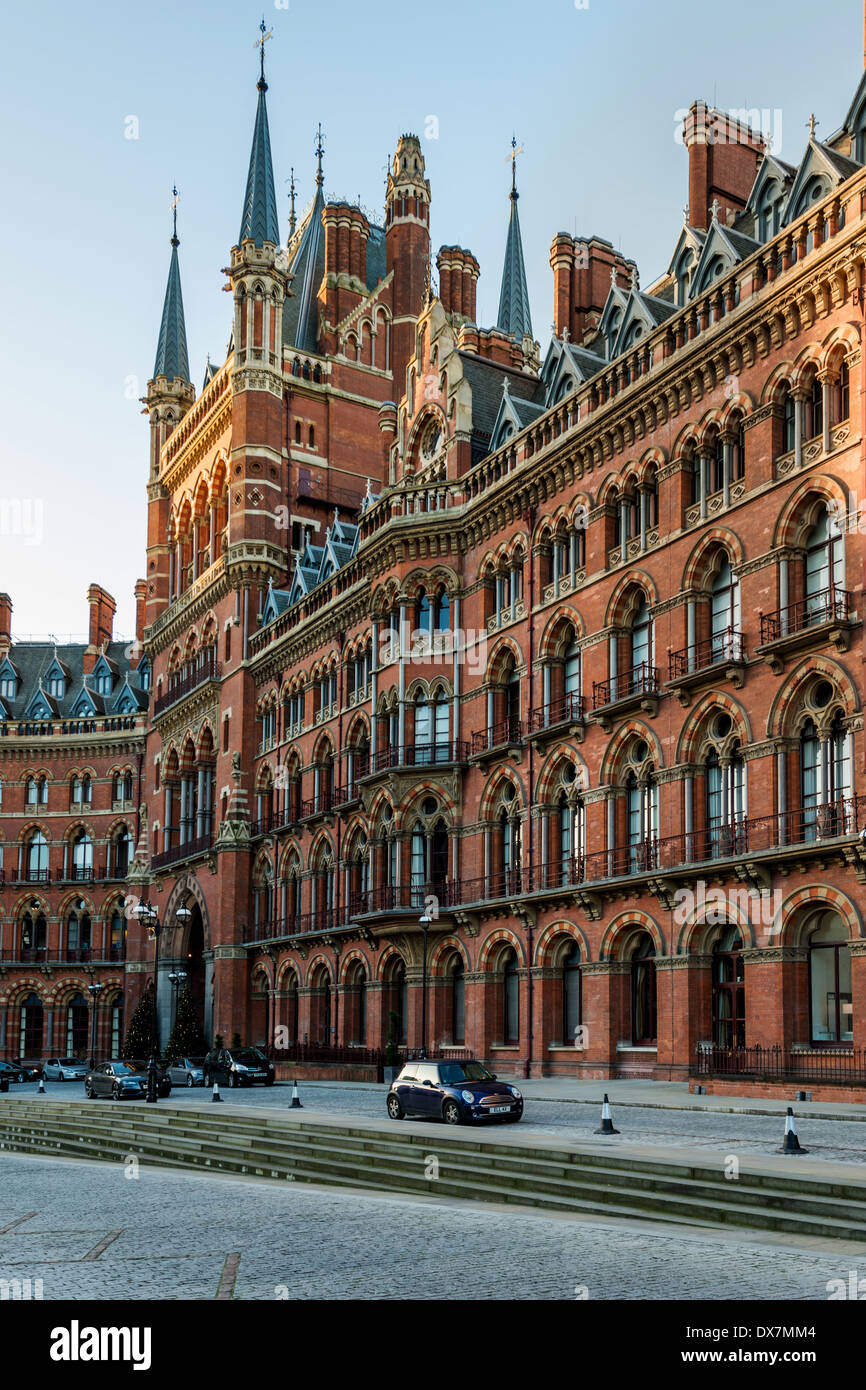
{"type": "Point", "coordinates": [456, 1092]}
{"type": "Point", "coordinates": [241, 1066]}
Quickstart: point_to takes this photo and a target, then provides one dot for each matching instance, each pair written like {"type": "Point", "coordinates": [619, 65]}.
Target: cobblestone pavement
{"type": "Point", "coordinates": [88, 1232]}
{"type": "Point", "coordinates": [720, 1133]}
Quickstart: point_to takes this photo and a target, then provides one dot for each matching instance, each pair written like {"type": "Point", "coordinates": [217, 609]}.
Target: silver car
{"type": "Point", "coordinates": [64, 1069]}
{"type": "Point", "coordinates": [186, 1071]}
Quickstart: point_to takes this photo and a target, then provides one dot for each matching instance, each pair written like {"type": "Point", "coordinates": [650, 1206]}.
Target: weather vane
{"type": "Point", "coordinates": [319, 151]}
{"type": "Point", "coordinates": [260, 44]}
{"type": "Point", "coordinates": [515, 151]}
{"type": "Point", "coordinates": [173, 210]}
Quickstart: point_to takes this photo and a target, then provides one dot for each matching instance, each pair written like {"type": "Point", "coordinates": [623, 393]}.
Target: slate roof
{"type": "Point", "coordinates": [172, 359]}
{"type": "Point", "coordinates": [301, 310]}
{"type": "Point", "coordinates": [33, 660]}
{"type": "Point", "coordinates": [259, 221]}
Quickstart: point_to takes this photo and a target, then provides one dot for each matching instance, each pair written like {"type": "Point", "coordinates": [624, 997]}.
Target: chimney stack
{"type": "Point", "coordinates": [5, 623]}
{"type": "Point", "coordinates": [724, 155]}
{"type": "Point", "coordinates": [458, 277]}
{"type": "Point", "coordinates": [140, 603]}
{"type": "Point", "coordinates": [581, 281]}
{"type": "Point", "coordinates": [102, 610]}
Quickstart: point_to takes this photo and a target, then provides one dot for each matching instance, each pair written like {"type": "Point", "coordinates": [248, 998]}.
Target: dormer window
{"type": "Point", "coordinates": [8, 687]}
{"type": "Point", "coordinates": [103, 683]}
{"type": "Point", "coordinates": [56, 686]}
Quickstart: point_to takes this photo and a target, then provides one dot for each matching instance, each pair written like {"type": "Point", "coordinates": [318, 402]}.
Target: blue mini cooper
{"type": "Point", "coordinates": [455, 1092]}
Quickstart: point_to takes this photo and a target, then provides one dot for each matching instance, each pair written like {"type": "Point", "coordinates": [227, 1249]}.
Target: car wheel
{"type": "Point", "coordinates": [233, 1080]}
{"type": "Point", "coordinates": [189, 1080]}
{"type": "Point", "coordinates": [395, 1109]}
{"type": "Point", "coordinates": [205, 1078]}
{"type": "Point", "coordinates": [88, 1090]}
{"type": "Point", "coordinates": [451, 1113]}
{"type": "Point", "coordinates": [115, 1092]}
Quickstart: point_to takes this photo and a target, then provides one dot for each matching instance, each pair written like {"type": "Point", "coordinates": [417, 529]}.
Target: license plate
{"type": "Point", "coordinates": [499, 1109]}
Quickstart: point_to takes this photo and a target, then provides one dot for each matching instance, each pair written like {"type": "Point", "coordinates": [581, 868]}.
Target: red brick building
{"type": "Point", "coordinates": [565, 655]}
{"type": "Point", "coordinates": [72, 737]}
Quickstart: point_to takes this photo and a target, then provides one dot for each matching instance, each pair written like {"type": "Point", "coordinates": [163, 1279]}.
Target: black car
{"type": "Point", "coordinates": [456, 1092]}
{"type": "Point", "coordinates": [120, 1080]}
{"type": "Point", "coordinates": [239, 1066]}
{"type": "Point", "coordinates": [163, 1080]}
{"type": "Point", "coordinates": [12, 1071]}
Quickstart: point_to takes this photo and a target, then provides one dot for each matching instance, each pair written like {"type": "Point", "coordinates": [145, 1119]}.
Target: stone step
{"type": "Point", "coordinates": [321, 1154]}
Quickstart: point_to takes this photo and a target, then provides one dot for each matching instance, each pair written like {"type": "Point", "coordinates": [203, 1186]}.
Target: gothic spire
{"type": "Point", "coordinates": [171, 355]}
{"type": "Point", "coordinates": [259, 222]}
{"type": "Point", "coordinates": [514, 316]}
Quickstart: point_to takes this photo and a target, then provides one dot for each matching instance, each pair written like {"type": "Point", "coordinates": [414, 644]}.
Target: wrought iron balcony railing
{"type": "Point", "coordinates": [209, 670]}
{"type": "Point", "coordinates": [729, 645]}
{"type": "Point", "coordinates": [565, 710]}
{"type": "Point", "coordinates": [827, 606]}
{"type": "Point", "coordinates": [499, 735]}
{"type": "Point", "coordinates": [642, 679]}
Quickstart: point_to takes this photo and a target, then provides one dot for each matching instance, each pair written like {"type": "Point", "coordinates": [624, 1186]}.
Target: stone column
{"type": "Point", "coordinates": [684, 986]}
{"type": "Point", "coordinates": [858, 989]}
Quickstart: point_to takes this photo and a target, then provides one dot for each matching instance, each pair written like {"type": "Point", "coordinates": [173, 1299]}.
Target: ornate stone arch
{"type": "Point", "coordinates": [622, 929]}
{"type": "Point", "coordinates": [546, 949]}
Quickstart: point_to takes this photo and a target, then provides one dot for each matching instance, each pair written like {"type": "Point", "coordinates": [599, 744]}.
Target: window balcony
{"type": "Point", "coordinates": [638, 687]}
{"type": "Point", "coordinates": [319, 805]}
{"type": "Point", "coordinates": [276, 819]}
{"type": "Point", "coordinates": [505, 734]}
{"type": "Point", "coordinates": [700, 664]}
{"type": "Point", "coordinates": [209, 670]}
{"type": "Point", "coordinates": [200, 845]}
{"type": "Point", "coordinates": [69, 955]}
{"type": "Point", "coordinates": [415, 755]}
{"type": "Point", "coordinates": [555, 717]}
{"type": "Point", "coordinates": [825, 617]}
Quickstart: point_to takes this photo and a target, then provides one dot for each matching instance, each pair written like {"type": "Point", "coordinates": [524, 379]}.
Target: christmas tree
{"type": "Point", "coordinates": [140, 1031]}
{"type": "Point", "coordinates": [187, 1038]}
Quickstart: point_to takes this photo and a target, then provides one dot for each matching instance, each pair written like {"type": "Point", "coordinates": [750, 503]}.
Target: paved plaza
{"type": "Point", "coordinates": [88, 1231]}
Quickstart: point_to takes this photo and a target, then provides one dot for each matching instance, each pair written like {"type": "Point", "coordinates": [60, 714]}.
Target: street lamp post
{"type": "Point", "coordinates": [94, 991]}
{"type": "Point", "coordinates": [424, 922]}
{"type": "Point", "coordinates": [149, 917]}
{"type": "Point", "coordinates": [177, 978]}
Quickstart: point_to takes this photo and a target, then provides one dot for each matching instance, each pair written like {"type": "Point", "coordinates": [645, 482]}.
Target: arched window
{"type": "Point", "coordinates": [725, 614]}
{"type": "Point", "coordinates": [37, 858]}
{"type": "Point", "coordinates": [441, 611]}
{"type": "Point", "coordinates": [642, 810]}
{"type": "Point", "coordinates": [82, 856]}
{"type": "Point", "coordinates": [78, 929]}
{"type": "Point", "coordinates": [122, 848]}
{"type": "Point", "coordinates": [31, 1027]}
{"type": "Point", "coordinates": [840, 396]}
{"type": "Point", "coordinates": [813, 410]}
{"type": "Point", "coordinates": [422, 612]}
{"type": "Point", "coordinates": [510, 997]}
{"type": "Point", "coordinates": [641, 638]}
{"type": "Point", "coordinates": [77, 1026]}
{"type": "Point", "coordinates": [117, 944]}
{"type": "Point", "coordinates": [729, 991]}
{"type": "Point", "coordinates": [725, 782]}
{"type": "Point", "coordinates": [571, 679]}
{"type": "Point", "coordinates": [830, 981]}
{"type": "Point", "coordinates": [825, 569]}
{"type": "Point", "coordinates": [33, 933]}
{"type": "Point", "coordinates": [643, 992]}
{"type": "Point", "coordinates": [571, 994]}
{"type": "Point", "coordinates": [789, 425]}
{"type": "Point", "coordinates": [457, 985]}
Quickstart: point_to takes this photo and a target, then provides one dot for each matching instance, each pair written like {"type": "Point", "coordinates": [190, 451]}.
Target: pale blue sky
{"type": "Point", "coordinates": [591, 93]}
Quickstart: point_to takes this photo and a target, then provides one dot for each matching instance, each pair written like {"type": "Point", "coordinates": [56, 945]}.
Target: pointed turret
{"type": "Point", "coordinates": [514, 316]}
{"type": "Point", "coordinates": [170, 393]}
{"type": "Point", "coordinates": [172, 360]}
{"type": "Point", "coordinates": [259, 222]}
{"type": "Point", "coordinates": [307, 266]}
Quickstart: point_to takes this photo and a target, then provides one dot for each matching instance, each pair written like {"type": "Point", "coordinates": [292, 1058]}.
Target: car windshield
{"type": "Point", "coordinates": [248, 1056]}
{"type": "Point", "coordinates": [451, 1072]}
{"type": "Point", "coordinates": [123, 1069]}
{"type": "Point", "coordinates": [70, 1062]}
{"type": "Point", "coordinates": [195, 1061]}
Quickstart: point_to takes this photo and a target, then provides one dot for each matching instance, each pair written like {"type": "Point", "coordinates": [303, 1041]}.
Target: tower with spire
{"type": "Point", "coordinates": [514, 316]}
{"type": "Point", "coordinates": [259, 284]}
{"type": "Point", "coordinates": [170, 393]}
{"type": "Point", "coordinates": [407, 240]}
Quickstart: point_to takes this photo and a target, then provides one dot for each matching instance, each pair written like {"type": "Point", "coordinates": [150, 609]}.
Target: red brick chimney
{"type": "Point", "coordinates": [581, 281]}
{"type": "Point", "coordinates": [102, 610]}
{"type": "Point", "coordinates": [140, 603]}
{"type": "Point", "coordinates": [5, 623]}
{"type": "Point", "coordinates": [724, 155]}
{"type": "Point", "coordinates": [458, 277]}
